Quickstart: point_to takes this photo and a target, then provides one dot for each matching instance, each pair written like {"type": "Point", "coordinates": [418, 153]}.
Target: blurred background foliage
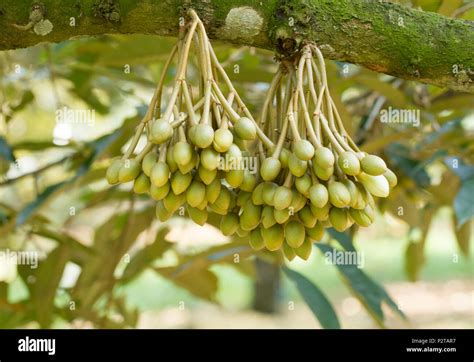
{"type": "Point", "coordinates": [105, 261]}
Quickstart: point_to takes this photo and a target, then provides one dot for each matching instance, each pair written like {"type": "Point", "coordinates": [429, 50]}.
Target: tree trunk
{"type": "Point", "coordinates": [376, 34]}
{"type": "Point", "coordinates": [267, 283]}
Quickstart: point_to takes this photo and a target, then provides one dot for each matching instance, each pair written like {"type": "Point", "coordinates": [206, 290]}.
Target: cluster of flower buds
{"type": "Point", "coordinates": [281, 181]}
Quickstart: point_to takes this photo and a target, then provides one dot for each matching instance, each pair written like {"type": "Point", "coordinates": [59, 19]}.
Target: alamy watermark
{"type": "Point", "coordinates": [67, 115]}
{"type": "Point", "coordinates": [341, 257]}
{"type": "Point", "coordinates": [20, 257]}
{"type": "Point", "coordinates": [396, 115]}
{"type": "Point", "coordinates": [238, 163]}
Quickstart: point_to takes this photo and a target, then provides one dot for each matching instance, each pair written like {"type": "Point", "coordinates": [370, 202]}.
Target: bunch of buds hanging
{"type": "Point", "coordinates": [193, 137]}
{"type": "Point", "coordinates": [313, 176]}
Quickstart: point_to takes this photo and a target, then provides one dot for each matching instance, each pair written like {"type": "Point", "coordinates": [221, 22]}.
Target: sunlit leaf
{"type": "Point", "coordinates": [464, 202]}
{"type": "Point", "coordinates": [371, 294]}
{"type": "Point", "coordinates": [315, 299]}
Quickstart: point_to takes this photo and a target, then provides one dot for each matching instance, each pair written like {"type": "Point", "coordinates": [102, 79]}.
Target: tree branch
{"type": "Point", "coordinates": [376, 34]}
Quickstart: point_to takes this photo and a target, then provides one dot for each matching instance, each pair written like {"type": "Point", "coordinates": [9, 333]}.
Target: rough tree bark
{"type": "Point", "coordinates": [376, 34]}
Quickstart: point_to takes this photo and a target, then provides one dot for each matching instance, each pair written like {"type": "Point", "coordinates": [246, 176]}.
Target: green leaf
{"type": "Point", "coordinates": [414, 259]}
{"type": "Point", "coordinates": [448, 7]}
{"type": "Point", "coordinates": [33, 206]}
{"type": "Point", "coordinates": [394, 95]}
{"type": "Point", "coordinates": [464, 202]}
{"type": "Point", "coordinates": [315, 299]}
{"type": "Point", "coordinates": [343, 238]}
{"type": "Point", "coordinates": [463, 236]}
{"type": "Point", "coordinates": [145, 257]}
{"type": "Point", "coordinates": [400, 156]}
{"type": "Point", "coordinates": [371, 294]}
{"type": "Point", "coordinates": [46, 281]}
{"type": "Point", "coordinates": [201, 282]}
{"type": "Point", "coordinates": [460, 168]}
{"type": "Point", "coordinates": [6, 151]}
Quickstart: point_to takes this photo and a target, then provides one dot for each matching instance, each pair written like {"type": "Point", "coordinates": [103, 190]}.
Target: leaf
{"type": "Point", "coordinates": [427, 5]}
{"type": "Point", "coordinates": [343, 238]}
{"type": "Point", "coordinates": [448, 7]}
{"type": "Point", "coordinates": [464, 202]}
{"type": "Point", "coordinates": [6, 151]}
{"type": "Point", "coordinates": [364, 288]}
{"type": "Point", "coordinates": [112, 240]}
{"type": "Point", "coordinates": [414, 255]}
{"type": "Point", "coordinates": [400, 156]}
{"type": "Point", "coordinates": [460, 168]}
{"type": "Point", "coordinates": [414, 259]}
{"type": "Point", "coordinates": [145, 257]}
{"type": "Point", "coordinates": [315, 299]}
{"type": "Point", "coordinates": [33, 206]}
{"type": "Point", "coordinates": [394, 96]}
{"type": "Point", "coordinates": [201, 282]}
{"type": "Point", "coordinates": [463, 236]}
{"type": "Point", "coordinates": [452, 101]}
{"type": "Point", "coordinates": [79, 253]}
{"type": "Point", "coordinates": [46, 280]}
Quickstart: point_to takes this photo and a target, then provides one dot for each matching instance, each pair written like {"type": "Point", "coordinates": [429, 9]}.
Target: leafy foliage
{"type": "Point", "coordinates": [42, 199]}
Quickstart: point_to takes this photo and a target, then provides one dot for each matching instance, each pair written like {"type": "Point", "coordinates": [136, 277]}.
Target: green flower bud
{"type": "Point", "coordinates": [112, 174]}
{"type": "Point", "coordinates": [195, 194]}
{"type": "Point", "coordinates": [349, 163]}
{"type": "Point", "coordinates": [324, 158]}
{"type": "Point", "coordinates": [316, 233]}
{"type": "Point", "coordinates": [289, 253]}
{"type": "Point", "coordinates": [376, 185]}
{"type": "Point", "coordinates": [339, 195]}
{"type": "Point", "coordinates": [251, 216]}
{"type": "Point", "coordinates": [161, 131]}
{"type": "Point", "coordinates": [297, 167]}
{"type": "Point", "coordinates": [129, 171]}
{"type": "Point", "coordinates": [161, 212]}
{"type": "Point", "coordinates": [256, 240]}
{"type": "Point", "coordinates": [149, 161]}
{"type": "Point", "coordinates": [159, 193]}
{"type": "Point", "coordinates": [245, 129]}
{"type": "Point", "coordinates": [282, 198]}
{"type": "Point", "coordinates": [223, 139]}
{"type": "Point", "coordinates": [373, 165]}
{"type": "Point", "coordinates": [141, 184]}
{"type": "Point", "coordinates": [160, 174]}
{"type": "Point", "coordinates": [235, 177]}
{"type": "Point", "coordinates": [203, 135]}
{"type": "Point", "coordinates": [304, 150]}
{"type": "Point", "coordinates": [321, 213]}
{"type": "Point", "coordinates": [339, 219]}
{"type": "Point", "coordinates": [172, 202]}
{"type": "Point", "coordinates": [307, 217]}
{"type": "Point", "coordinates": [391, 178]}
{"type": "Point", "coordinates": [180, 182]}
{"type": "Point", "coordinates": [182, 153]}
{"type": "Point", "coordinates": [210, 159]}
{"type": "Point", "coordinates": [295, 233]}
{"type": "Point", "coordinates": [197, 215]}
{"type": "Point", "coordinates": [273, 237]}
{"type": "Point", "coordinates": [323, 173]}
{"type": "Point", "coordinates": [268, 192]}
{"type": "Point", "coordinates": [206, 176]}
{"type": "Point", "coordinates": [303, 184]}
{"type": "Point", "coordinates": [281, 216]}
{"type": "Point", "coordinates": [318, 195]}
{"type": "Point", "coordinates": [229, 224]}
{"type": "Point", "coordinates": [213, 190]}
{"type": "Point", "coordinates": [270, 169]}
{"type": "Point", "coordinates": [268, 219]}
{"type": "Point", "coordinates": [249, 182]}
{"type": "Point", "coordinates": [304, 251]}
